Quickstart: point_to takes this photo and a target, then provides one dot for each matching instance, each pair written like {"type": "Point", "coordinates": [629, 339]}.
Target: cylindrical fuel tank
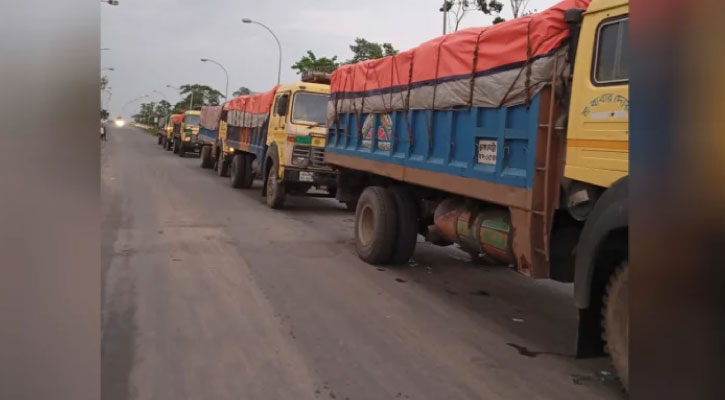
{"type": "Point", "coordinates": [486, 230]}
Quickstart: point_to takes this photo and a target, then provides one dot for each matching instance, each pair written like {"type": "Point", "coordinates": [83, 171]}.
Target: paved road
{"type": "Point", "coordinates": [209, 294]}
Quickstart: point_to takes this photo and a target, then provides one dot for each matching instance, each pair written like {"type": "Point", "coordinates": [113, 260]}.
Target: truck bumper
{"type": "Point", "coordinates": [192, 146]}
{"type": "Point", "coordinates": [316, 177]}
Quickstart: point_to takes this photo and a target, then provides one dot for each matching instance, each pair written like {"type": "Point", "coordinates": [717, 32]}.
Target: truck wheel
{"type": "Point", "coordinates": [158, 139]}
{"type": "Point", "coordinates": [236, 171]}
{"type": "Point", "coordinates": [182, 150]}
{"type": "Point", "coordinates": [407, 212]}
{"type": "Point", "coordinates": [615, 322]}
{"type": "Point", "coordinates": [375, 225]}
{"type": "Point", "coordinates": [275, 188]}
{"type": "Point", "coordinates": [248, 177]}
{"type": "Point", "coordinates": [222, 166]}
{"type": "Point", "coordinates": [168, 144]}
{"type": "Point", "coordinates": [176, 147]}
{"type": "Point", "coordinates": [206, 161]}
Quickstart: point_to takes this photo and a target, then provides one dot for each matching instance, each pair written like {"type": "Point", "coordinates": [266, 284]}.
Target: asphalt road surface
{"type": "Point", "coordinates": [209, 294]}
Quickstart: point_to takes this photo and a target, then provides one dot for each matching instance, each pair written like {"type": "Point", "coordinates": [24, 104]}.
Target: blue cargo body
{"type": "Point", "coordinates": [207, 135]}
{"type": "Point", "coordinates": [250, 140]}
{"type": "Point", "coordinates": [450, 144]}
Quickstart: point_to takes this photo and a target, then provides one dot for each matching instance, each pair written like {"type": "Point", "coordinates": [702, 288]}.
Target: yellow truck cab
{"type": "Point", "coordinates": [173, 123]}
{"type": "Point", "coordinates": [594, 182]}
{"type": "Point", "coordinates": [186, 139]}
{"type": "Point", "coordinates": [281, 142]}
{"type": "Point", "coordinates": [296, 142]}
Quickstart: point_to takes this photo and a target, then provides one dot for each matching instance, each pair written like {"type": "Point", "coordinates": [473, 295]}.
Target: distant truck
{"type": "Point", "coordinates": [278, 136]}
{"type": "Point", "coordinates": [186, 137]}
{"type": "Point", "coordinates": [161, 125]}
{"type": "Point", "coordinates": [173, 124]}
{"type": "Point", "coordinates": [510, 141]}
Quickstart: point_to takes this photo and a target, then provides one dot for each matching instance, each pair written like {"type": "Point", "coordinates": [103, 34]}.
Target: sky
{"type": "Point", "coordinates": [155, 43]}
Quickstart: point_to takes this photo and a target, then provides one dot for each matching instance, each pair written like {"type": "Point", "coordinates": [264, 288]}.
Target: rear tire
{"type": "Point", "coordinates": [176, 147]}
{"type": "Point", "coordinates": [205, 155]}
{"type": "Point", "coordinates": [248, 178]}
{"type": "Point", "coordinates": [407, 225]}
{"type": "Point", "coordinates": [275, 188]}
{"type": "Point", "coordinates": [375, 225]}
{"type": "Point", "coordinates": [615, 322]}
{"type": "Point", "coordinates": [158, 139]}
{"type": "Point", "coordinates": [182, 150]}
{"type": "Point", "coordinates": [236, 171]}
{"type": "Point", "coordinates": [222, 166]}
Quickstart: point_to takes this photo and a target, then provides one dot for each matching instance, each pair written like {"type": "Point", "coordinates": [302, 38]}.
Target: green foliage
{"type": "Point", "coordinates": [365, 50]}
{"type": "Point", "coordinates": [104, 114]}
{"type": "Point", "coordinates": [104, 82]}
{"type": "Point", "coordinates": [241, 91]}
{"type": "Point", "coordinates": [310, 62]}
{"type": "Point", "coordinates": [163, 108]}
{"type": "Point", "coordinates": [201, 95]}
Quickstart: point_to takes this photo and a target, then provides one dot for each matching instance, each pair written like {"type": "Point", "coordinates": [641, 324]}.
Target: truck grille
{"type": "Point", "coordinates": [318, 157]}
{"type": "Point", "coordinates": [301, 151]}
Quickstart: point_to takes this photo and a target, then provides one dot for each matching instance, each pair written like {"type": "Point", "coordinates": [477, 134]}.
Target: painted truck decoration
{"type": "Point", "coordinates": [508, 140]}
{"type": "Point", "coordinates": [278, 136]}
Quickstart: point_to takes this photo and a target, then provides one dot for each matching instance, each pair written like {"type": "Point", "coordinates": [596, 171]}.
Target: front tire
{"type": "Point", "coordinates": [275, 188]}
{"type": "Point", "coordinates": [206, 160]}
{"type": "Point", "coordinates": [615, 322]}
{"type": "Point", "coordinates": [222, 166]}
{"type": "Point", "coordinates": [158, 139]}
{"type": "Point", "coordinates": [176, 147]}
{"type": "Point", "coordinates": [375, 225]}
{"type": "Point", "coordinates": [236, 172]}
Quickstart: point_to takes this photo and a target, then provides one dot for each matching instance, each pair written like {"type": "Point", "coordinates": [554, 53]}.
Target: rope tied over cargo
{"type": "Point", "coordinates": [472, 83]}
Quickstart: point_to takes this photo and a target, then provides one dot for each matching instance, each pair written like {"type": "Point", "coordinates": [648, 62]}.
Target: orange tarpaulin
{"type": "Point", "coordinates": [250, 110]}
{"type": "Point", "coordinates": [468, 53]}
{"type": "Point", "coordinates": [177, 118]}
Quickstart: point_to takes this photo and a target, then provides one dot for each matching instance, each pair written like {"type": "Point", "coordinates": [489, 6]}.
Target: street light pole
{"type": "Point", "coordinates": [131, 101]}
{"type": "Point", "coordinates": [226, 90]}
{"type": "Point", "coordinates": [279, 45]}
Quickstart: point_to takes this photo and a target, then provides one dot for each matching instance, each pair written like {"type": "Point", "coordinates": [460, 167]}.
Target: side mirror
{"type": "Point", "coordinates": [281, 106]}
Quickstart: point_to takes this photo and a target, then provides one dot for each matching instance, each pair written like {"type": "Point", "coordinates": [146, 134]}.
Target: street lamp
{"type": "Point", "coordinates": [105, 48]}
{"type": "Point", "coordinates": [279, 65]}
{"type": "Point", "coordinates": [107, 69]}
{"type": "Point", "coordinates": [191, 100]}
{"type": "Point", "coordinates": [226, 91]}
{"type": "Point", "coordinates": [111, 2]}
{"type": "Point", "coordinates": [131, 101]}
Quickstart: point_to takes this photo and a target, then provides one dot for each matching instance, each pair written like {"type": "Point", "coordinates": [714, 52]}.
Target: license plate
{"type": "Point", "coordinates": [306, 176]}
{"type": "Point", "coordinates": [487, 152]}
{"type": "Point", "coordinates": [318, 142]}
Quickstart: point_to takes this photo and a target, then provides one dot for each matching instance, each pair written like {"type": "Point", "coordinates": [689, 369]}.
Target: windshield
{"type": "Point", "coordinates": [191, 119]}
{"type": "Point", "coordinates": [309, 108]}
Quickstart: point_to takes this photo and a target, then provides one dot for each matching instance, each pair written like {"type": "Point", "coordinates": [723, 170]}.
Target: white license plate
{"type": "Point", "coordinates": [487, 152]}
{"type": "Point", "coordinates": [306, 176]}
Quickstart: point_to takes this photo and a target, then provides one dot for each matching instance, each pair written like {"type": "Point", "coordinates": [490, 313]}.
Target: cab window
{"type": "Point", "coordinates": [611, 63]}
{"type": "Point", "coordinates": [280, 106]}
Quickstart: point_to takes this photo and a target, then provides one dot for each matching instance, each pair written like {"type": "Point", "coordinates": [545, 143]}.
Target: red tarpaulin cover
{"type": "Point", "coordinates": [177, 118]}
{"type": "Point", "coordinates": [250, 110]}
{"type": "Point", "coordinates": [476, 53]}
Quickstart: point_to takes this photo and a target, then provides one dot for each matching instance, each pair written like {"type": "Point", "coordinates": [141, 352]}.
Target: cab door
{"type": "Point", "coordinates": [277, 129]}
{"type": "Point", "coordinates": [598, 132]}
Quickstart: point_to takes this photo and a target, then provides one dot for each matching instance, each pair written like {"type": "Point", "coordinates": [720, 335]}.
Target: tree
{"type": "Point", "coordinates": [104, 82]}
{"type": "Point", "coordinates": [459, 8]}
{"type": "Point", "coordinates": [243, 90]}
{"type": "Point", "coordinates": [202, 95]}
{"type": "Point", "coordinates": [310, 62]}
{"type": "Point", "coordinates": [364, 50]}
{"type": "Point", "coordinates": [163, 108]}
{"type": "Point", "coordinates": [104, 114]}
{"type": "Point", "coordinates": [518, 7]}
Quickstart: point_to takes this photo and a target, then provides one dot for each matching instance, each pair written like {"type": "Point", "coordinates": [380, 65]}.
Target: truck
{"type": "Point", "coordinates": [278, 136]}
{"type": "Point", "coordinates": [510, 141]}
{"type": "Point", "coordinates": [161, 126]}
{"type": "Point", "coordinates": [186, 137]}
{"type": "Point", "coordinates": [173, 124]}
{"type": "Point", "coordinates": [210, 121]}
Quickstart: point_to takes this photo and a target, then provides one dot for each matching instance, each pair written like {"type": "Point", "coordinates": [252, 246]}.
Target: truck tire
{"type": "Point", "coordinates": [158, 139]}
{"type": "Point", "coordinates": [222, 166]}
{"type": "Point", "coordinates": [248, 177]}
{"type": "Point", "coordinates": [375, 225]}
{"type": "Point", "coordinates": [182, 150]}
{"type": "Point", "coordinates": [205, 155]}
{"type": "Point", "coordinates": [168, 144]}
{"type": "Point", "coordinates": [276, 192]}
{"type": "Point", "coordinates": [236, 171]}
{"type": "Point", "coordinates": [615, 322]}
{"type": "Point", "coordinates": [407, 224]}
{"type": "Point", "coordinates": [176, 147]}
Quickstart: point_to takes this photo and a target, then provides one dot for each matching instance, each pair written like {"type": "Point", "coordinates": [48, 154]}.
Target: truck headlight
{"type": "Point", "coordinates": [187, 138]}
